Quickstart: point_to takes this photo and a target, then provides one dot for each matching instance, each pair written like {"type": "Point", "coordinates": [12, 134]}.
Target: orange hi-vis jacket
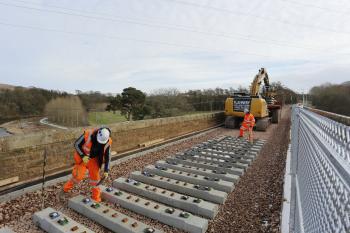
{"type": "Point", "coordinates": [84, 144]}
{"type": "Point", "coordinates": [249, 121]}
{"type": "Point", "coordinates": [85, 147]}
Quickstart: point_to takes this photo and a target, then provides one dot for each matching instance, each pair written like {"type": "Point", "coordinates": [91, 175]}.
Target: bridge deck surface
{"type": "Point", "coordinates": [253, 206]}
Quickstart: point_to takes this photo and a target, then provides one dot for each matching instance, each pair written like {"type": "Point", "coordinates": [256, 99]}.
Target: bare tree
{"type": "Point", "coordinates": [67, 111]}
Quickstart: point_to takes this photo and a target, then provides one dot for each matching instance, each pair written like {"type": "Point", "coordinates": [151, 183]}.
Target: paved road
{"type": "Point", "coordinates": [45, 122]}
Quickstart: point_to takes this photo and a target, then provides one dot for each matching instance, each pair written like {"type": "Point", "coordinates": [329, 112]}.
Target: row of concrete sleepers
{"type": "Point", "coordinates": [183, 191]}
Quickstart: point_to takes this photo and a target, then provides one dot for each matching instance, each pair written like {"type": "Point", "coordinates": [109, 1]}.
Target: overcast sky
{"type": "Point", "coordinates": [107, 45]}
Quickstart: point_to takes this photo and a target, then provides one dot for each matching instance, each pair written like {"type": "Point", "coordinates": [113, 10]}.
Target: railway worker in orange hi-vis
{"type": "Point", "coordinates": [92, 149]}
{"type": "Point", "coordinates": [247, 124]}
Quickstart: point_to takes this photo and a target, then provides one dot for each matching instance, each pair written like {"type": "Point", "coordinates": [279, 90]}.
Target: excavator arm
{"type": "Point", "coordinates": [259, 78]}
{"type": "Point", "coordinates": [268, 94]}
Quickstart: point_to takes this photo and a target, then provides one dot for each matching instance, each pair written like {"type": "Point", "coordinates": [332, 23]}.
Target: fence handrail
{"type": "Point", "coordinates": [333, 116]}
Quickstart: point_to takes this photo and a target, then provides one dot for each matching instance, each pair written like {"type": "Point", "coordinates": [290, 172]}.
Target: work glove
{"type": "Point", "coordinates": [105, 175]}
{"type": "Point", "coordinates": [86, 159]}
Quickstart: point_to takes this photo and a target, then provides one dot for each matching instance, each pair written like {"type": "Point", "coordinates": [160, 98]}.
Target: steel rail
{"type": "Point", "coordinates": [125, 155]}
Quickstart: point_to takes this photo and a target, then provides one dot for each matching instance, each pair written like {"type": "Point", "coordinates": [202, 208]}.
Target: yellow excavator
{"type": "Point", "coordinates": [261, 103]}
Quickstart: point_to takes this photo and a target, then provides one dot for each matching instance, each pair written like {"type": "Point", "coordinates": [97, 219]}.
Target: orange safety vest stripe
{"type": "Point", "coordinates": [249, 118]}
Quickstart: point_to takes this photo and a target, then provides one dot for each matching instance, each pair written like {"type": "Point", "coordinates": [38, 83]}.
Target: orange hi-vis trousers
{"type": "Point", "coordinates": [78, 174]}
{"type": "Point", "coordinates": [246, 127]}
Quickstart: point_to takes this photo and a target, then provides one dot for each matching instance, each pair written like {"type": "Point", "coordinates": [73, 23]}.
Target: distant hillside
{"type": "Point", "coordinates": [17, 103]}
{"type": "Point", "coordinates": [332, 98]}
{"type": "Point", "coordinates": [347, 83]}
{"type": "Point", "coordinates": [12, 87]}
{"type": "Point", "coordinates": [6, 87]}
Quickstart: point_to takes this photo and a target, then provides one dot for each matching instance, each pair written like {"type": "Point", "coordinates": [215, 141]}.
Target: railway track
{"type": "Point", "coordinates": [183, 191]}
{"type": "Point", "coordinates": [15, 190]}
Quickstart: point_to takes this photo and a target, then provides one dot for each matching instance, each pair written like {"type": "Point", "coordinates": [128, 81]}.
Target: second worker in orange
{"type": "Point", "coordinates": [247, 124]}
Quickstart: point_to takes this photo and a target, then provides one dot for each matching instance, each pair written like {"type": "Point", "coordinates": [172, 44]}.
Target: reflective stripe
{"type": "Point", "coordinates": [106, 146]}
{"type": "Point", "coordinates": [77, 172]}
{"type": "Point", "coordinates": [76, 145]}
{"type": "Point", "coordinates": [107, 159]}
{"type": "Point", "coordinates": [245, 128]}
{"type": "Point", "coordinates": [249, 120]}
{"type": "Point", "coordinates": [93, 182]}
{"type": "Point", "coordinates": [87, 142]}
{"type": "Point", "coordinates": [107, 154]}
{"type": "Point", "coordinates": [75, 180]}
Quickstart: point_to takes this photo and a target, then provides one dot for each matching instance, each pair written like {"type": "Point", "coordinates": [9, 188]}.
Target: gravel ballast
{"type": "Point", "coordinates": [253, 206]}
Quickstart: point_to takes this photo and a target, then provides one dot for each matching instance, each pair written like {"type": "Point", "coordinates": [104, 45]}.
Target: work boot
{"type": "Point", "coordinates": [96, 194]}
{"type": "Point", "coordinates": [68, 186]}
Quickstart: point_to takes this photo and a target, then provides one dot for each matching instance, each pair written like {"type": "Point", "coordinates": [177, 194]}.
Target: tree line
{"type": "Point", "coordinates": [332, 97]}
{"type": "Point", "coordinates": [132, 103]}
{"type": "Point", "coordinates": [25, 102]}
{"type": "Point", "coordinates": [167, 102]}
{"type": "Point", "coordinates": [284, 95]}
{"type": "Point", "coordinates": [136, 105]}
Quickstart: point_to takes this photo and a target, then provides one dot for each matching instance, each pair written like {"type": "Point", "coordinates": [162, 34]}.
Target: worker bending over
{"type": "Point", "coordinates": [91, 150]}
{"type": "Point", "coordinates": [247, 124]}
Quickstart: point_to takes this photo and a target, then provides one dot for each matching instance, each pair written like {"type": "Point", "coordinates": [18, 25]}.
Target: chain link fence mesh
{"type": "Point", "coordinates": [320, 167]}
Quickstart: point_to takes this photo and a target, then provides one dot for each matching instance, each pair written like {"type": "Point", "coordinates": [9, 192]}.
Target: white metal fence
{"type": "Point", "coordinates": [320, 174]}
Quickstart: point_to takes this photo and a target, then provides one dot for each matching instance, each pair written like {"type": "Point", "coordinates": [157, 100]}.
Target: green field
{"type": "Point", "coordinates": [105, 118]}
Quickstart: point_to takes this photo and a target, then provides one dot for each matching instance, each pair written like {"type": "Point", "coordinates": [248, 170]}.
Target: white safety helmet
{"type": "Point", "coordinates": [103, 135]}
{"type": "Point", "coordinates": [246, 110]}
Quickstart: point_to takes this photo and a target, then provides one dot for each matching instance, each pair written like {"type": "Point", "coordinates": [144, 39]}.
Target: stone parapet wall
{"type": "Point", "coordinates": [22, 156]}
